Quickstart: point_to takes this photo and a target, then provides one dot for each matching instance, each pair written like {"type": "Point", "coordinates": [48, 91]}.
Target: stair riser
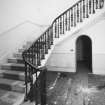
{"type": "Point", "coordinates": [12, 88]}
{"type": "Point", "coordinates": [13, 77]}
{"type": "Point", "coordinates": [18, 68]}
{"type": "Point", "coordinates": [20, 61]}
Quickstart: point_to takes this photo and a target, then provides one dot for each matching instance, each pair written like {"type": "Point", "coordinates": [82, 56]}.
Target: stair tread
{"type": "Point", "coordinates": [12, 85]}
{"type": "Point", "coordinates": [14, 75]}
{"type": "Point", "coordinates": [14, 58]}
{"type": "Point", "coordinates": [12, 72]}
{"type": "Point", "coordinates": [13, 66]}
{"type": "Point", "coordinates": [10, 82]}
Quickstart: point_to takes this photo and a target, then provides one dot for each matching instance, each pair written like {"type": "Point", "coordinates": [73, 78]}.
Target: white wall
{"type": "Point", "coordinates": [14, 39]}
{"type": "Point", "coordinates": [20, 20]}
{"type": "Point", "coordinates": [97, 33]}
{"type": "Point", "coordinates": [64, 54]}
{"type": "Point", "coordinates": [13, 12]}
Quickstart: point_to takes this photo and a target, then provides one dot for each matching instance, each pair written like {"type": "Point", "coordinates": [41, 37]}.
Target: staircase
{"type": "Point", "coordinates": [36, 54]}
{"type": "Point", "coordinates": [12, 80]}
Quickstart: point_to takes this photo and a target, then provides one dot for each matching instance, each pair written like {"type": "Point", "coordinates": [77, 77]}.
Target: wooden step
{"type": "Point", "coordinates": [12, 85]}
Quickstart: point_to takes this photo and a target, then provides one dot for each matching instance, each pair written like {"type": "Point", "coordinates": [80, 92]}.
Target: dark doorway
{"type": "Point", "coordinates": [84, 53]}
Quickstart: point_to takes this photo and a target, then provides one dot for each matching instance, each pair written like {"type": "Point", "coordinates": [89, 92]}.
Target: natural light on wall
{"type": "Point", "coordinates": [13, 12]}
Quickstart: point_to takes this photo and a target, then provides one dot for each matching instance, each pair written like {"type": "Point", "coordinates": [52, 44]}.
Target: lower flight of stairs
{"type": "Point", "coordinates": [12, 78]}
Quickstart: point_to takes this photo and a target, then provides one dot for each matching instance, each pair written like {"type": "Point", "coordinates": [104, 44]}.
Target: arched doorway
{"type": "Point", "coordinates": [84, 53]}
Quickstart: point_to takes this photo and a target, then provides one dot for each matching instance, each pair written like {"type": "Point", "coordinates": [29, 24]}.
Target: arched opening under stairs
{"type": "Point", "coordinates": [84, 54]}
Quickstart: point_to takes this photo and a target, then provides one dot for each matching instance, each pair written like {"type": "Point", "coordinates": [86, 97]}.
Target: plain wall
{"type": "Point", "coordinates": [42, 12]}
{"type": "Point", "coordinates": [15, 38]}
{"type": "Point", "coordinates": [64, 54]}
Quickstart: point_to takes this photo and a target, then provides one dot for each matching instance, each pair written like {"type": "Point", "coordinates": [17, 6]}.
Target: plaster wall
{"type": "Point", "coordinates": [22, 20]}
{"type": "Point", "coordinates": [64, 54]}
{"type": "Point", "coordinates": [15, 38]}
{"type": "Point", "coordinates": [42, 12]}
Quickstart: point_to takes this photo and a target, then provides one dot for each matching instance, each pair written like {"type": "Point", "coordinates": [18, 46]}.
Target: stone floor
{"type": "Point", "coordinates": [10, 98]}
{"type": "Point", "coordinates": [67, 89]}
